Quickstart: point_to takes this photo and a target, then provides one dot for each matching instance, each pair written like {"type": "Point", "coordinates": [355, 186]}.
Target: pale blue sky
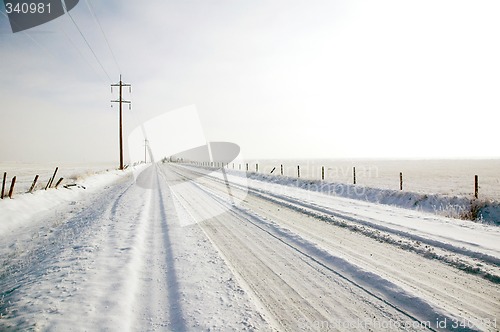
{"type": "Point", "coordinates": [282, 79]}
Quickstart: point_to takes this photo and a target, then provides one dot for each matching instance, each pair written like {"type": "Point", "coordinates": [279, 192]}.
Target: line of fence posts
{"type": "Point", "coordinates": [401, 182]}
{"type": "Point", "coordinates": [14, 179]}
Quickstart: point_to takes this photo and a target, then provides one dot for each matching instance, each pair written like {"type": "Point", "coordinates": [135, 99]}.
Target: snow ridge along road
{"type": "Point", "coordinates": [180, 250]}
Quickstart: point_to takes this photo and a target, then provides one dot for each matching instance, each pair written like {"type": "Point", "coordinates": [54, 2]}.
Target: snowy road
{"type": "Point", "coordinates": [176, 251]}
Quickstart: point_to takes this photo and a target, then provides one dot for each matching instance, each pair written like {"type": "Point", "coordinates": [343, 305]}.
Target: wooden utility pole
{"type": "Point", "coordinates": [121, 101]}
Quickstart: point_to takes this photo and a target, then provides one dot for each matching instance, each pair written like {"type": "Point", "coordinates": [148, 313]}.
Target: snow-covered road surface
{"type": "Point", "coordinates": [176, 251]}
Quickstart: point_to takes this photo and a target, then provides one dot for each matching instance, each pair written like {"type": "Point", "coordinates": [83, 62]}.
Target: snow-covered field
{"type": "Point", "coordinates": [182, 248]}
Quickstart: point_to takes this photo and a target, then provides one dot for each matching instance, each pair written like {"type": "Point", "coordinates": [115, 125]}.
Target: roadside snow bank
{"type": "Point", "coordinates": [23, 208]}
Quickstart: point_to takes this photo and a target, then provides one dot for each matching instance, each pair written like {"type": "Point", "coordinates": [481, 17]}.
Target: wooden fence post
{"type": "Point", "coordinates": [13, 183]}
{"type": "Point", "coordinates": [476, 186]}
{"type": "Point", "coordinates": [33, 185]}
{"type": "Point", "coordinates": [322, 172]}
{"type": "Point", "coordinates": [274, 168]}
{"type": "Point", "coordinates": [247, 167]}
{"type": "Point", "coordinates": [298, 171]}
{"type": "Point", "coordinates": [400, 180]}
{"type": "Point", "coordinates": [354, 174]}
{"type": "Point", "coordinates": [59, 182]}
{"type": "Point", "coordinates": [256, 168]}
{"type": "Point", "coordinates": [53, 177]}
{"type": "Point", "coordinates": [281, 169]}
{"type": "Point", "coordinates": [3, 183]}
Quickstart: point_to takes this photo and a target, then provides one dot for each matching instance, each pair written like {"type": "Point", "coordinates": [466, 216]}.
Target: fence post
{"type": "Point", "coordinates": [247, 167]}
{"type": "Point", "coordinates": [256, 168]}
{"type": "Point", "coordinates": [34, 184]}
{"type": "Point", "coordinates": [281, 169]}
{"type": "Point", "coordinates": [13, 183]}
{"type": "Point", "coordinates": [322, 172]}
{"type": "Point", "coordinates": [47, 185]}
{"type": "Point", "coordinates": [298, 171]}
{"type": "Point", "coordinates": [3, 183]}
{"type": "Point", "coordinates": [354, 174]}
{"type": "Point", "coordinates": [53, 177]}
{"type": "Point", "coordinates": [274, 168]}
{"type": "Point", "coordinates": [59, 182]}
{"type": "Point", "coordinates": [476, 186]}
{"type": "Point", "coordinates": [400, 180]}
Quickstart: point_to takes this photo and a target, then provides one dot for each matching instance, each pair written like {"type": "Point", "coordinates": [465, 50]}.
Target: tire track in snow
{"type": "Point", "coordinates": [158, 299]}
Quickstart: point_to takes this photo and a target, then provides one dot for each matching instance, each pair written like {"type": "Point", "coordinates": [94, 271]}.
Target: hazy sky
{"type": "Point", "coordinates": [282, 79]}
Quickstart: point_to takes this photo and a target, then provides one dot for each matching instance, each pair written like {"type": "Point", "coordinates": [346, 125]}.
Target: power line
{"type": "Point", "coordinates": [52, 54]}
{"type": "Point", "coordinates": [88, 44]}
{"type": "Point", "coordinates": [33, 39]}
{"type": "Point", "coordinates": [91, 8]}
{"type": "Point", "coordinates": [83, 57]}
{"type": "Point", "coordinates": [85, 39]}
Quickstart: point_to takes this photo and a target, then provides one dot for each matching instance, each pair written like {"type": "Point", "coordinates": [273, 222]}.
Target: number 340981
{"type": "Point", "coordinates": [27, 8]}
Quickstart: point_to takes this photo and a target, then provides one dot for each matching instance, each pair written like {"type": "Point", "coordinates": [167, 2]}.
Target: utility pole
{"type": "Point", "coordinates": [121, 101]}
{"type": "Point", "coordinates": [145, 149]}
